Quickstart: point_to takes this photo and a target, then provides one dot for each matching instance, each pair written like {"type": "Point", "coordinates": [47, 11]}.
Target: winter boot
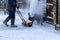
{"type": "Point", "coordinates": [13, 25]}
{"type": "Point", "coordinates": [7, 19]}
{"type": "Point", "coordinates": [5, 23]}
{"type": "Point", "coordinates": [12, 22]}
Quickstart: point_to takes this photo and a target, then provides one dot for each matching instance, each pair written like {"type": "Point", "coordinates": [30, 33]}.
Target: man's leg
{"type": "Point", "coordinates": [13, 22]}
{"type": "Point", "coordinates": [12, 16]}
{"type": "Point", "coordinates": [6, 20]}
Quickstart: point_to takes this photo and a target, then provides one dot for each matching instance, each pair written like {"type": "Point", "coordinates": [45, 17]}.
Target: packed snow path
{"type": "Point", "coordinates": [36, 32]}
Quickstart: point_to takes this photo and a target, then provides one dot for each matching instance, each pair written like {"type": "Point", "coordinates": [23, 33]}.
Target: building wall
{"type": "Point", "coordinates": [58, 10]}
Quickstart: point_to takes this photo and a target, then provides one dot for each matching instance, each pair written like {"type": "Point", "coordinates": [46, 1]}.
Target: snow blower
{"type": "Point", "coordinates": [24, 22]}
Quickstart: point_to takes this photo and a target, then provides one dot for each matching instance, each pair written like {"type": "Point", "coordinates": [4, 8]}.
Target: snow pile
{"type": "Point", "coordinates": [37, 7]}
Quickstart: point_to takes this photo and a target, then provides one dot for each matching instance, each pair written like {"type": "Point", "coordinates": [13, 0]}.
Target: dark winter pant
{"type": "Point", "coordinates": [11, 14]}
{"type": "Point", "coordinates": [11, 17]}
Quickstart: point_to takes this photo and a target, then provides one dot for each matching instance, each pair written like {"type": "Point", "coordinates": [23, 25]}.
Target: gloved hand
{"type": "Point", "coordinates": [17, 7]}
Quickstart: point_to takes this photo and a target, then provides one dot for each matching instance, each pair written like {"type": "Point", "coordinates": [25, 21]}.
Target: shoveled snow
{"type": "Point", "coordinates": [36, 32]}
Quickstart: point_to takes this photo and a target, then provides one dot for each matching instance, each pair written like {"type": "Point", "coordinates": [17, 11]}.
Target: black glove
{"type": "Point", "coordinates": [17, 7]}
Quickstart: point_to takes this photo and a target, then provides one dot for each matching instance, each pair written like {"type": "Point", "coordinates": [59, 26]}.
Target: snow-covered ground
{"type": "Point", "coordinates": [36, 32]}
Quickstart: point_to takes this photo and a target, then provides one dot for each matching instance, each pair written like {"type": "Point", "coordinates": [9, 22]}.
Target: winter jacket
{"type": "Point", "coordinates": [11, 8]}
{"type": "Point", "coordinates": [11, 4]}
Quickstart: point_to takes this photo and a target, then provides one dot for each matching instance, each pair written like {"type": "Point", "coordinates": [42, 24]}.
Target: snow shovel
{"type": "Point", "coordinates": [24, 22]}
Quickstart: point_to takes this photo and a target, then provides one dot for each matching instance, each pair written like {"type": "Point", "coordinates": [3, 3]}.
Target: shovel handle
{"type": "Point", "coordinates": [20, 15]}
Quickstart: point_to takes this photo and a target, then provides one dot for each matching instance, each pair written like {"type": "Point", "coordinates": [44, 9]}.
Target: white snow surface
{"type": "Point", "coordinates": [36, 32]}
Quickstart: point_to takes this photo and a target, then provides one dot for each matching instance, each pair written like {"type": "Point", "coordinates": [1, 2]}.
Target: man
{"type": "Point", "coordinates": [37, 10]}
{"type": "Point", "coordinates": [11, 10]}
